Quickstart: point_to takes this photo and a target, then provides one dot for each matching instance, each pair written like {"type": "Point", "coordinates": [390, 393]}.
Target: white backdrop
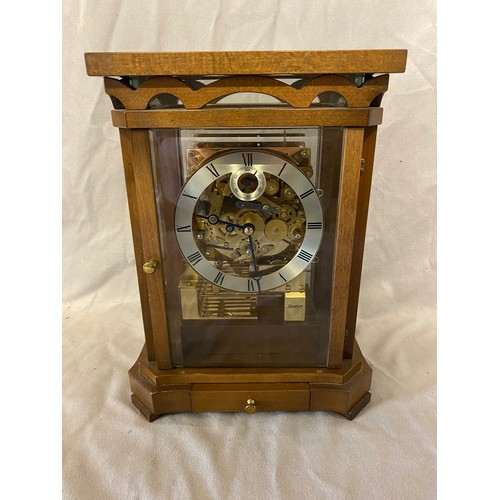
{"type": "Point", "coordinates": [388, 451]}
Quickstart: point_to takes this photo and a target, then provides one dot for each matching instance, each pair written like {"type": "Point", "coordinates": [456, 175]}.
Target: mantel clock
{"type": "Point", "coordinates": [248, 178]}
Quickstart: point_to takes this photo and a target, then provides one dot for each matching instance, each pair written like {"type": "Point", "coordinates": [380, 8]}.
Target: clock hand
{"type": "Point", "coordinates": [256, 277]}
{"type": "Point", "coordinates": [214, 219]}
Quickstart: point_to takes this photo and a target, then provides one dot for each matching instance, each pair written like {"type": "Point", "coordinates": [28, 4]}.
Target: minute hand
{"type": "Point", "coordinates": [256, 277]}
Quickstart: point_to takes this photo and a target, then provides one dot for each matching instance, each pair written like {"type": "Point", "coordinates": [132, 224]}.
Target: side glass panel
{"type": "Point", "coordinates": [247, 226]}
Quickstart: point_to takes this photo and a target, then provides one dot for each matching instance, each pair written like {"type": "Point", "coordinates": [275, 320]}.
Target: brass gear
{"type": "Point", "coordinates": [276, 230]}
{"type": "Point", "coordinates": [249, 217]}
{"type": "Point", "coordinates": [287, 213]}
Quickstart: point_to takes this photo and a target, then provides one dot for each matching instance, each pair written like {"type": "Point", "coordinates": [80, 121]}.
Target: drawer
{"type": "Point", "coordinates": [235, 397]}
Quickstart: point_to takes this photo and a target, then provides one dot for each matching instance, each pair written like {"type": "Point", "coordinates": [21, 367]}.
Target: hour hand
{"type": "Point", "coordinates": [214, 219]}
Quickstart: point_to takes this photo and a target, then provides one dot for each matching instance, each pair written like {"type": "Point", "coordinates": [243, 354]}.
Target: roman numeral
{"type": "Point", "coordinates": [282, 168]}
{"type": "Point", "coordinates": [189, 196]}
{"type": "Point", "coordinates": [282, 277]}
{"type": "Point", "coordinates": [307, 193]}
{"type": "Point", "coordinates": [194, 258]}
{"type": "Point", "coordinates": [247, 159]}
{"type": "Point", "coordinates": [314, 225]}
{"type": "Point", "coordinates": [183, 229]}
{"type": "Point", "coordinates": [219, 278]}
{"type": "Point", "coordinates": [251, 287]}
{"type": "Point", "coordinates": [305, 255]}
{"type": "Point", "coordinates": [213, 170]}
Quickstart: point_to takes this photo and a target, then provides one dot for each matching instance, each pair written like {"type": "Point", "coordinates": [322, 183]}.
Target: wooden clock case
{"type": "Point", "coordinates": [357, 79]}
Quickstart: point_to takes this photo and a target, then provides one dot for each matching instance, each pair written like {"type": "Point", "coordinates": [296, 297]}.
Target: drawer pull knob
{"type": "Point", "coordinates": [150, 267]}
{"type": "Point", "coordinates": [250, 407]}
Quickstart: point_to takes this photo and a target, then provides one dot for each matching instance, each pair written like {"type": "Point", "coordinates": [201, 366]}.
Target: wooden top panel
{"type": "Point", "coordinates": [277, 63]}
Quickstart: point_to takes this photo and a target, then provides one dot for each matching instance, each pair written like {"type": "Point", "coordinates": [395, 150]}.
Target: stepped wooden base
{"type": "Point", "coordinates": [194, 390]}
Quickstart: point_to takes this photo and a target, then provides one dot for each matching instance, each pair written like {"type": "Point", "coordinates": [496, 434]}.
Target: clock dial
{"type": "Point", "coordinates": [248, 221]}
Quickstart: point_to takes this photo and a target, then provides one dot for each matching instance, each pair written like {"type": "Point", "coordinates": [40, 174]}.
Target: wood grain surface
{"type": "Point", "coordinates": [146, 208]}
{"type": "Point", "coordinates": [128, 168]}
{"type": "Point", "coordinates": [346, 218]}
{"type": "Point", "coordinates": [237, 63]}
{"type": "Point", "coordinates": [247, 117]}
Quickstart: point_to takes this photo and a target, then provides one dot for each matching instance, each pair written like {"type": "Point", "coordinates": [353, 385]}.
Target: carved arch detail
{"type": "Point", "coordinates": [299, 95]}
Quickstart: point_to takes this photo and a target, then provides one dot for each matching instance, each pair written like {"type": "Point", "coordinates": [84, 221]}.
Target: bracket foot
{"type": "Point", "coordinates": [351, 414]}
{"type": "Point", "coordinates": [150, 417]}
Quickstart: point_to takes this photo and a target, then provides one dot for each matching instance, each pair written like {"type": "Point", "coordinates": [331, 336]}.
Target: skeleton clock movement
{"type": "Point", "coordinates": [248, 178]}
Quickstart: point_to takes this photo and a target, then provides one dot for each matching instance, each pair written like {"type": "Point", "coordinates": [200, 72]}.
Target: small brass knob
{"type": "Point", "coordinates": [250, 407]}
{"type": "Point", "coordinates": [150, 266]}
